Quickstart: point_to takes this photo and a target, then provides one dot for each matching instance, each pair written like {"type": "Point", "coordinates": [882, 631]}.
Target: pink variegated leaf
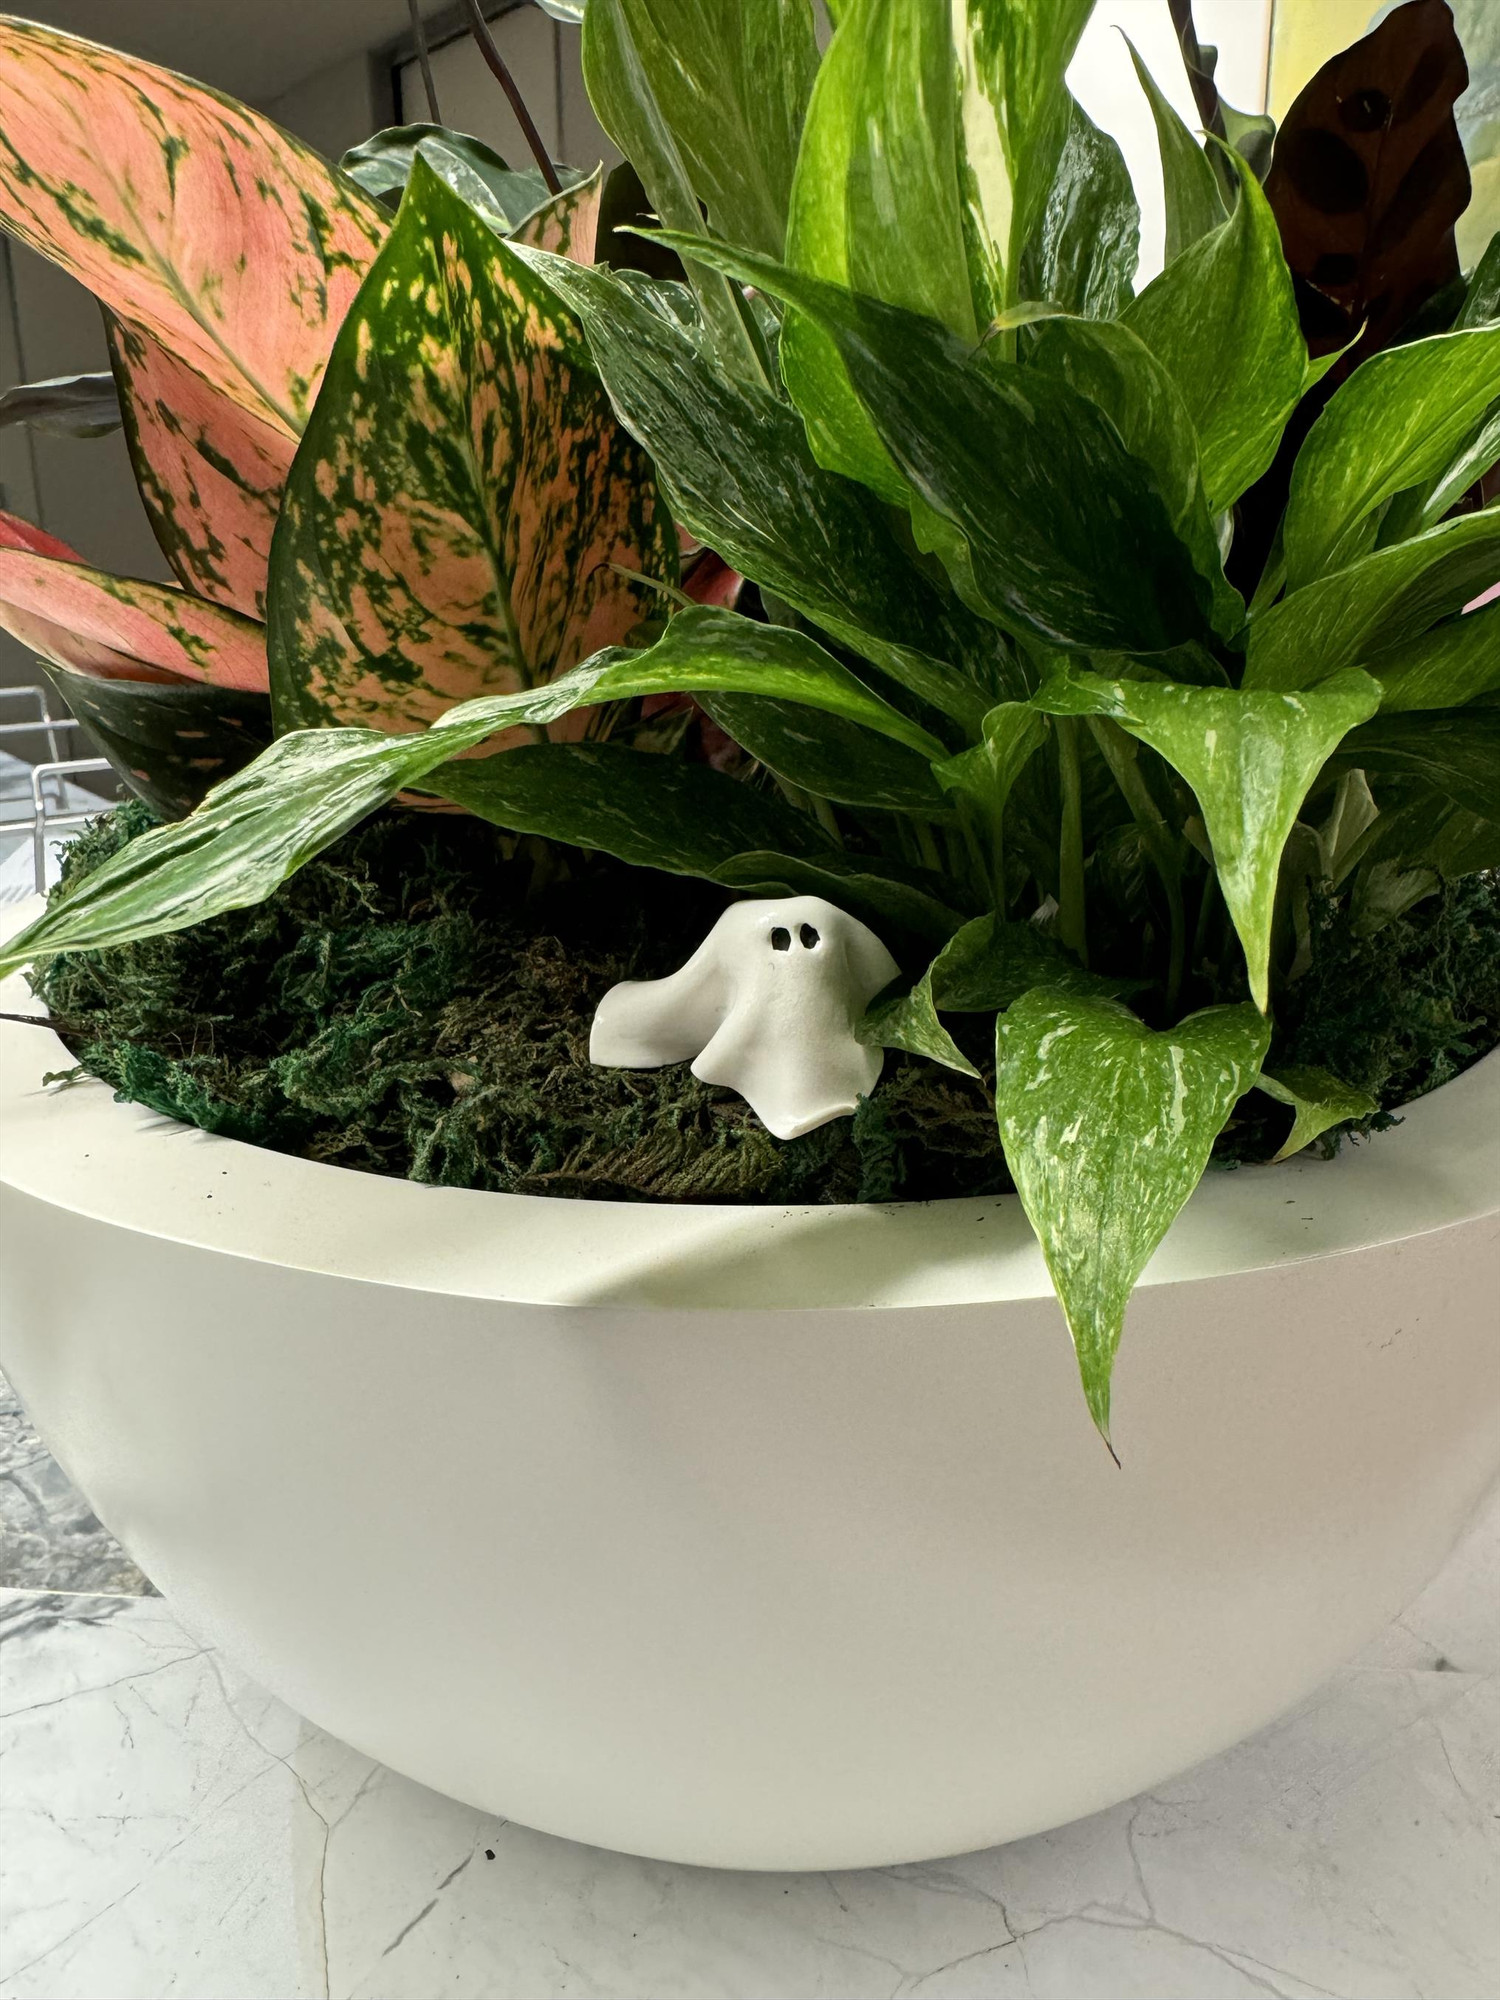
{"type": "Point", "coordinates": [211, 473]}
{"type": "Point", "coordinates": [115, 626]}
{"type": "Point", "coordinates": [464, 502]}
{"type": "Point", "coordinates": [569, 223]}
{"type": "Point", "coordinates": [189, 215]}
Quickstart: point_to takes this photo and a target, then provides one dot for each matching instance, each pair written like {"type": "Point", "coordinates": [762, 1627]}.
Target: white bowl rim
{"type": "Point", "coordinates": [75, 1148]}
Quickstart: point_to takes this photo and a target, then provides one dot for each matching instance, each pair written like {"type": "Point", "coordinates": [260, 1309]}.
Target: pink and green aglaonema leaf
{"type": "Point", "coordinates": [189, 215]}
{"type": "Point", "coordinates": [117, 627]}
{"type": "Point", "coordinates": [568, 224]}
{"type": "Point", "coordinates": [463, 504]}
{"type": "Point", "coordinates": [210, 472]}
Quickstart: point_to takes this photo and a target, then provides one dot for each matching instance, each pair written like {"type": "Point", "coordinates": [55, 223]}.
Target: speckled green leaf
{"type": "Point", "coordinates": [1444, 668]}
{"type": "Point", "coordinates": [1317, 1100]}
{"type": "Point", "coordinates": [876, 206]}
{"type": "Point", "coordinates": [210, 472]}
{"type": "Point", "coordinates": [1067, 537]}
{"type": "Point", "coordinates": [1394, 424]}
{"type": "Point", "coordinates": [736, 466]}
{"type": "Point", "coordinates": [1250, 759]}
{"type": "Point", "coordinates": [463, 502]}
{"type": "Point", "coordinates": [1084, 252]}
{"type": "Point", "coordinates": [1195, 205]}
{"type": "Point", "coordinates": [96, 623]}
{"type": "Point", "coordinates": [1455, 752]}
{"type": "Point", "coordinates": [1223, 320]}
{"type": "Point", "coordinates": [191, 216]}
{"type": "Point", "coordinates": [828, 756]}
{"type": "Point", "coordinates": [1107, 1128]}
{"type": "Point", "coordinates": [169, 741]}
{"type": "Point", "coordinates": [313, 784]}
{"type": "Point", "coordinates": [1382, 601]}
{"type": "Point", "coordinates": [1114, 368]}
{"type": "Point", "coordinates": [652, 811]}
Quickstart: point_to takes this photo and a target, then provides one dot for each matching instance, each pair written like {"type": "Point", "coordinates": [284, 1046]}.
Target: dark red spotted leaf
{"type": "Point", "coordinates": [464, 515]}
{"type": "Point", "coordinates": [191, 216]}
{"type": "Point", "coordinates": [116, 626]}
{"type": "Point", "coordinates": [211, 473]}
{"type": "Point", "coordinates": [1369, 178]}
{"type": "Point", "coordinates": [168, 740]}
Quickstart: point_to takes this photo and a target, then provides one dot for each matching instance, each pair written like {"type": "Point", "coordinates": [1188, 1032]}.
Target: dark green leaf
{"type": "Point", "coordinates": [1382, 601]}
{"type": "Point", "coordinates": [168, 741]}
{"type": "Point", "coordinates": [1085, 251]}
{"type": "Point", "coordinates": [828, 756]}
{"type": "Point", "coordinates": [735, 464]}
{"type": "Point", "coordinates": [382, 166]}
{"type": "Point", "coordinates": [1195, 205]}
{"type": "Point", "coordinates": [463, 501]}
{"type": "Point", "coordinates": [899, 903]}
{"type": "Point", "coordinates": [652, 811]}
{"type": "Point", "coordinates": [1114, 368]}
{"type": "Point", "coordinates": [1223, 320]}
{"type": "Point", "coordinates": [1445, 667]}
{"type": "Point", "coordinates": [78, 406]}
{"type": "Point", "coordinates": [1318, 1100]}
{"type": "Point", "coordinates": [1107, 1129]}
{"type": "Point", "coordinates": [1455, 751]}
{"type": "Point", "coordinates": [1482, 299]}
{"type": "Point", "coordinates": [1068, 537]}
{"type": "Point", "coordinates": [1250, 759]}
{"type": "Point", "coordinates": [1396, 423]}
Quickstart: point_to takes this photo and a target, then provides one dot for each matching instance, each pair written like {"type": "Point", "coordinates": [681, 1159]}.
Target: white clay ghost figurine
{"type": "Point", "coordinates": [768, 1005]}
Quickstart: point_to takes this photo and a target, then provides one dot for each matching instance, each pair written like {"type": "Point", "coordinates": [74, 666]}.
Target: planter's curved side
{"type": "Point", "coordinates": [756, 1587]}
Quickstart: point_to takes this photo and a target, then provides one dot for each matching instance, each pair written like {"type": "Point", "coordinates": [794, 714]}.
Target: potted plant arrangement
{"type": "Point", "coordinates": [795, 609]}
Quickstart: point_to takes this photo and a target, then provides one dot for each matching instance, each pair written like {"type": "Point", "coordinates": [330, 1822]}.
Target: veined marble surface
{"type": "Point", "coordinates": [168, 1831]}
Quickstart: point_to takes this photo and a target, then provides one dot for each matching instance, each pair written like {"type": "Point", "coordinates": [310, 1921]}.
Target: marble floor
{"type": "Point", "coordinates": [169, 1831]}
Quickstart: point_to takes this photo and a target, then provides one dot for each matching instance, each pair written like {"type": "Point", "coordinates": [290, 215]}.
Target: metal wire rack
{"type": "Point", "coordinates": [39, 800]}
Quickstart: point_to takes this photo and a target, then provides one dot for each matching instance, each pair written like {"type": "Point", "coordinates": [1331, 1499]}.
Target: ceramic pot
{"type": "Point", "coordinates": [767, 1538]}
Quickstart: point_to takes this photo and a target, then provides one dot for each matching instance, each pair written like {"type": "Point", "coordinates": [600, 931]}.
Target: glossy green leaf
{"type": "Point", "coordinates": [651, 811]}
{"type": "Point", "coordinates": [1115, 369]}
{"type": "Point", "coordinates": [984, 777]}
{"type": "Point", "coordinates": [1482, 299]}
{"type": "Point", "coordinates": [897, 903]}
{"type": "Point", "coordinates": [312, 785]}
{"type": "Point", "coordinates": [169, 741]}
{"type": "Point", "coordinates": [78, 406]}
{"type": "Point", "coordinates": [1195, 205]}
{"type": "Point", "coordinates": [828, 755]}
{"type": "Point", "coordinates": [1014, 118]}
{"type": "Point", "coordinates": [1107, 1128]}
{"type": "Point", "coordinates": [1250, 759]}
{"type": "Point", "coordinates": [1318, 1102]}
{"type": "Point", "coordinates": [1223, 320]}
{"type": "Point", "coordinates": [1084, 253]}
{"type": "Point", "coordinates": [1382, 601]}
{"type": "Point", "coordinates": [1396, 423]}
{"type": "Point", "coordinates": [735, 464]}
{"type": "Point", "coordinates": [1067, 536]}
{"type": "Point", "coordinates": [464, 502]}
{"type": "Point", "coordinates": [382, 166]}
{"type": "Point", "coordinates": [1444, 668]}
{"type": "Point", "coordinates": [1454, 751]}
{"type": "Point", "coordinates": [876, 206]}
{"type": "Point", "coordinates": [627, 107]}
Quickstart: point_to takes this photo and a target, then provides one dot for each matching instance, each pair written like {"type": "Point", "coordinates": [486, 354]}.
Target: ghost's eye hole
{"type": "Point", "coordinates": [808, 936]}
{"type": "Point", "coordinates": [781, 940]}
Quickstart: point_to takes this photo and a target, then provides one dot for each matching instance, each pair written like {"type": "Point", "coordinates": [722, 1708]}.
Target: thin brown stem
{"type": "Point", "coordinates": [479, 28]}
{"type": "Point", "coordinates": [424, 61]}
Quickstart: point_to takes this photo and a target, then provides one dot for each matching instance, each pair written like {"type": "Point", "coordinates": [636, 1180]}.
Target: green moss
{"type": "Point", "coordinates": [417, 1002]}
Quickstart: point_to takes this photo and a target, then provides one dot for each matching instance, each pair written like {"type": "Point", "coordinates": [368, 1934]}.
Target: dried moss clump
{"type": "Point", "coordinates": [417, 1002]}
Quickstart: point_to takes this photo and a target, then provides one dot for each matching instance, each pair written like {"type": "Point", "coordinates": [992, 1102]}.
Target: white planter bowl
{"type": "Point", "coordinates": [769, 1538]}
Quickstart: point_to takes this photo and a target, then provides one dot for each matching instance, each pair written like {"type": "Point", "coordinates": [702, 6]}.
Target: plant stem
{"type": "Point", "coordinates": [1124, 764]}
{"type": "Point", "coordinates": [479, 28]}
{"type": "Point", "coordinates": [1205, 91]}
{"type": "Point", "coordinates": [1072, 918]}
{"type": "Point", "coordinates": [424, 61]}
